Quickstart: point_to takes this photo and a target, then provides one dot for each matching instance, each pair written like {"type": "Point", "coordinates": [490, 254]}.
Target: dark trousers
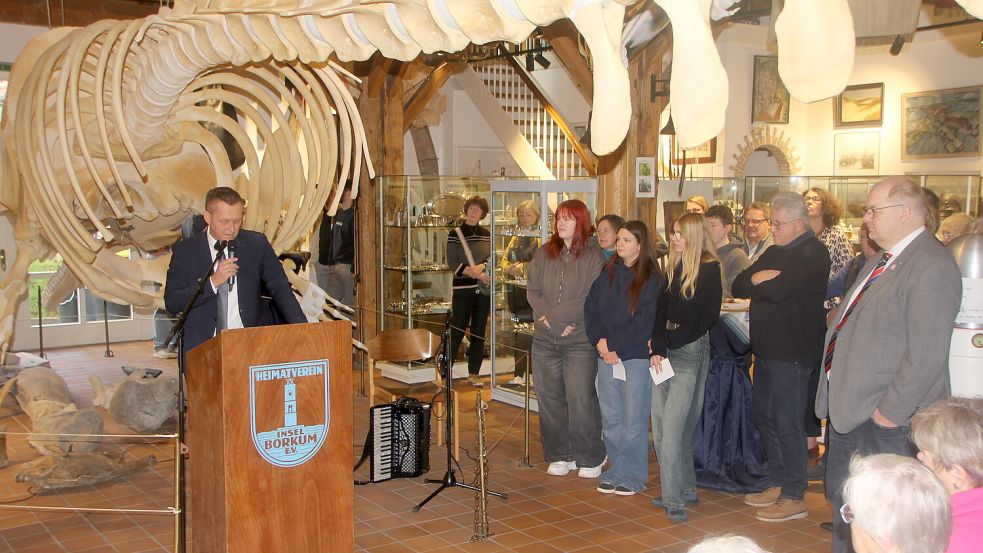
{"type": "Point", "coordinates": [780, 390]}
{"type": "Point", "coordinates": [866, 439]}
{"type": "Point", "coordinates": [470, 310]}
{"type": "Point", "coordinates": [569, 412]}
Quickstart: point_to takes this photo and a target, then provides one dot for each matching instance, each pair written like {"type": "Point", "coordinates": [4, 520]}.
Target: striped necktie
{"type": "Point", "coordinates": [874, 275]}
{"type": "Point", "coordinates": [222, 319]}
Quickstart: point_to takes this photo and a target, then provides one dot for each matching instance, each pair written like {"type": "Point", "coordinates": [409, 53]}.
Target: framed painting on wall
{"type": "Point", "coordinates": [856, 153]}
{"type": "Point", "coordinates": [644, 177]}
{"type": "Point", "coordinates": [859, 105]}
{"type": "Point", "coordinates": [941, 123]}
{"type": "Point", "coordinates": [704, 153]}
{"type": "Point", "coordinates": [769, 98]}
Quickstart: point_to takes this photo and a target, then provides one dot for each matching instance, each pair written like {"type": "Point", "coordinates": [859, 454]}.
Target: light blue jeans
{"type": "Point", "coordinates": [625, 410]}
{"type": "Point", "coordinates": [676, 407]}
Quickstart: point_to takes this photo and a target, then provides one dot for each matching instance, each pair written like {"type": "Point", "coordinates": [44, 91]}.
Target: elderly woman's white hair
{"type": "Point", "coordinates": [898, 502]}
{"type": "Point", "coordinates": [727, 544]}
{"type": "Point", "coordinates": [951, 430]}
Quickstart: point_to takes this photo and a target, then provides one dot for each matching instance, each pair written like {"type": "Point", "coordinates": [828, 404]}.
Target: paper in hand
{"type": "Point", "coordinates": [666, 374]}
{"type": "Point", "coordinates": [619, 371]}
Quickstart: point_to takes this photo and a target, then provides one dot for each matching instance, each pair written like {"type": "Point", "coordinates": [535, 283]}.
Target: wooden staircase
{"type": "Point", "coordinates": [535, 118]}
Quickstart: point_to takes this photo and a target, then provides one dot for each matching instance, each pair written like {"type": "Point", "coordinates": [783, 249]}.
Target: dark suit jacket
{"type": "Point", "coordinates": [893, 352]}
{"type": "Point", "coordinates": [259, 272]}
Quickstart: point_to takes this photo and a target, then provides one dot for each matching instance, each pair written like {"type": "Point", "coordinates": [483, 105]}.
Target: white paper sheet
{"type": "Point", "coordinates": [619, 371]}
{"type": "Point", "coordinates": [666, 374]}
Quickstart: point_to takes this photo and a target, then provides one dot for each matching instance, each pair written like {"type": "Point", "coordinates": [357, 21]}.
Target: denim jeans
{"type": "Point", "coordinates": [866, 439]}
{"type": "Point", "coordinates": [569, 415]}
{"type": "Point", "coordinates": [469, 310]}
{"type": "Point", "coordinates": [779, 410]}
{"type": "Point", "coordinates": [338, 281]}
{"type": "Point", "coordinates": [676, 407]}
{"type": "Point", "coordinates": [625, 410]}
{"type": "Point", "coordinates": [163, 323]}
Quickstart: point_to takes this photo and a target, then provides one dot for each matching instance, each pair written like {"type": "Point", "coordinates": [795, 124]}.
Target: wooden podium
{"type": "Point", "coordinates": [270, 440]}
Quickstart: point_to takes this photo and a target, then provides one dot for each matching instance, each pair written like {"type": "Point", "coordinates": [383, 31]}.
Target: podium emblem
{"type": "Point", "coordinates": [289, 410]}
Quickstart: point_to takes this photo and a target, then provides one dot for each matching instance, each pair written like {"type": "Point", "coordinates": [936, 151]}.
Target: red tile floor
{"type": "Point", "coordinates": [543, 513]}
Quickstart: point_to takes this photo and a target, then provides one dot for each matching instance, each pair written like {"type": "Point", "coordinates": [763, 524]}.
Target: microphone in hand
{"type": "Point", "coordinates": [231, 251]}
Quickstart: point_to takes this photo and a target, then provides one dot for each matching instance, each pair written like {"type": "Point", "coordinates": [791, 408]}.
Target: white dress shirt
{"type": "Point", "coordinates": [233, 317]}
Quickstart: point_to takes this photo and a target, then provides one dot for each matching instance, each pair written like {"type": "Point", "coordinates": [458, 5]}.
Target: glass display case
{"type": "Point", "coordinates": [416, 215]}
{"type": "Point", "coordinates": [521, 219]}
{"type": "Point", "coordinates": [958, 193]}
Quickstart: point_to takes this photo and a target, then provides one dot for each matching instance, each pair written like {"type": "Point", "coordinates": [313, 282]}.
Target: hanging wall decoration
{"type": "Point", "coordinates": [856, 153]}
{"type": "Point", "coordinates": [704, 153]}
{"type": "Point", "coordinates": [769, 98]}
{"type": "Point", "coordinates": [860, 105]}
{"type": "Point", "coordinates": [644, 177]}
{"type": "Point", "coordinates": [941, 123]}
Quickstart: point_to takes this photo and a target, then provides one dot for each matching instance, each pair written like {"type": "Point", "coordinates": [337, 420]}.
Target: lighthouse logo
{"type": "Point", "coordinates": [289, 410]}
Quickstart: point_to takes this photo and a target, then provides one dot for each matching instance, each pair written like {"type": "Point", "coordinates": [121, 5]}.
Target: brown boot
{"type": "Point", "coordinates": [763, 499]}
{"type": "Point", "coordinates": [782, 510]}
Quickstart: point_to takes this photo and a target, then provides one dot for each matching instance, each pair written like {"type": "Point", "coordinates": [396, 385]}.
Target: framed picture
{"type": "Point", "coordinates": [644, 177]}
{"type": "Point", "coordinates": [856, 153]}
{"type": "Point", "coordinates": [704, 153]}
{"type": "Point", "coordinates": [859, 105]}
{"type": "Point", "coordinates": [941, 123]}
{"type": "Point", "coordinates": [769, 98]}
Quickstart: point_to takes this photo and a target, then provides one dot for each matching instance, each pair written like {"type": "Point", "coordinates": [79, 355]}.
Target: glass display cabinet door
{"type": "Point", "coordinates": [417, 213]}
{"type": "Point", "coordinates": [522, 219]}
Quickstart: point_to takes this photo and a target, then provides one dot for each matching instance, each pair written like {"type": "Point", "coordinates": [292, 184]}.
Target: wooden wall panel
{"type": "Point", "coordinates": [616, 171]}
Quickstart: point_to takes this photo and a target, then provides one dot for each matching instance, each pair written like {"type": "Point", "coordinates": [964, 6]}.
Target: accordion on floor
{"type": "Point", "coordinates": [398, 444]}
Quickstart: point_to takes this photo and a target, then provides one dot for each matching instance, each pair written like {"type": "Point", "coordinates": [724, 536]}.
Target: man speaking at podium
{"type": "Point", "coordinates": [249, 267]}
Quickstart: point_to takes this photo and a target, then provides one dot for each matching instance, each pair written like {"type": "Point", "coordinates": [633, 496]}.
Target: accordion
{"type": "Point", "coordinates": [398, 444]}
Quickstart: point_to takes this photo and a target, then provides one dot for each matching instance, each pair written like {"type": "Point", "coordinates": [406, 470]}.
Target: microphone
{"type": "Point", "coordinates": [231, 251]}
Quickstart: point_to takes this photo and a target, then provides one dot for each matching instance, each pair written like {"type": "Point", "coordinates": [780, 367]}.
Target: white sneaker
{"type": "Point", "coordinates": [518, 381]}
{"type": "Point", "coordinates": [562, 468]}
{"type": "Point", "coordinates": [164, 353]}
{"type": "Point", "coordinates": [592, 472]}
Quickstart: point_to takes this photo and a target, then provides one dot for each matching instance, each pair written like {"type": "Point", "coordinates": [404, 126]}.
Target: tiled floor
{"type": "Point", "coordinates": [543, 513]}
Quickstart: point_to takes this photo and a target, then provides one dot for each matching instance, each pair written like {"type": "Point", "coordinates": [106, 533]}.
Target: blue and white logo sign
{"type": "Point", "coordinates": [289, 410]}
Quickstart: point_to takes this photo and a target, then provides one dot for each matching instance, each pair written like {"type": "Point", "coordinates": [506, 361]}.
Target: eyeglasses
{"type": "Point", "coordinates": [753, 222]}
{"type": "Point", "coordinates": [872, 211]}
{"type": "Point", "coordinates": [779, 224]}
{"type": "Point", "coordinates": [846, 513]}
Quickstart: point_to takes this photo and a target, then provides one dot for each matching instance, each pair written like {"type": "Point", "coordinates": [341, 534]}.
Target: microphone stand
{"type": "Point", "coordinates": [179, 470]}
{"type": "Point", "coordinates": [444, 365]}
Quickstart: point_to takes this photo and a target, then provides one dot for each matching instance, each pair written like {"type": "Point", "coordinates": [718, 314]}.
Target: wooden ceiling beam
{"type": "Point", "coordinates": [426, 92]}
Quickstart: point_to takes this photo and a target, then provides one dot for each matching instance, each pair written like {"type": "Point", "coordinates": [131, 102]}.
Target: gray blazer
{"type": "Point", "coordinates": [893, 352]}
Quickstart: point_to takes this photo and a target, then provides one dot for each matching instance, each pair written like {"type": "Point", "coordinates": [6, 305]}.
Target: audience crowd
{"type": "Point", "coordinates": [622, 338]}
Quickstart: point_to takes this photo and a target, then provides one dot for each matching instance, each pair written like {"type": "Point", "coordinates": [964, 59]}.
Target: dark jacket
{"type": "Point", "coordinates": [336, 238]}
{"type": "Point", "coordinates": [259, 272]}
{"type": "Point", "coordinates": [788, 320]}
{"type": "Point", "coordinates": [607, 314]}
{"type": "Point", "coordinates": [557, 289]}
{"type": "Point", "coordinates": [694, 316]}
{"type": "Point", "coordinates": [479, 240]}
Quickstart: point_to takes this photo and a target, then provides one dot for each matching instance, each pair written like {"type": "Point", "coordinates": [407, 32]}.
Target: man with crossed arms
{"type": "Point", "coordinates": [887, 349]}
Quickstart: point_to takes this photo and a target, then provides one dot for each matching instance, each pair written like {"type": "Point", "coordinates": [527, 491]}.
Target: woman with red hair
{"type": "Point", "coordinates": [560, 275]}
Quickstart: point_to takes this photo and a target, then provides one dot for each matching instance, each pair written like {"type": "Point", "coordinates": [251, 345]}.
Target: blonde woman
{"type": "Point", "coordinates": [515, 262]}
{"type": "Point", "coordinates": [687, 309]}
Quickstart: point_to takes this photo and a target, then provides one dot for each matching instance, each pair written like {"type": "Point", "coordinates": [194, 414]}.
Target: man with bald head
{"type": "Point", "coordinates": [887, 348]}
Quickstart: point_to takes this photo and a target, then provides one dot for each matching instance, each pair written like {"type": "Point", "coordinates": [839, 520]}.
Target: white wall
{"type": "Point", "coordinates": [949, 58]}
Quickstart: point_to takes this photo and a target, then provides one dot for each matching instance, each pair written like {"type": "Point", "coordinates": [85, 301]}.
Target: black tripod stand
{"type": "Point", "coordinates": [444, 364]}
